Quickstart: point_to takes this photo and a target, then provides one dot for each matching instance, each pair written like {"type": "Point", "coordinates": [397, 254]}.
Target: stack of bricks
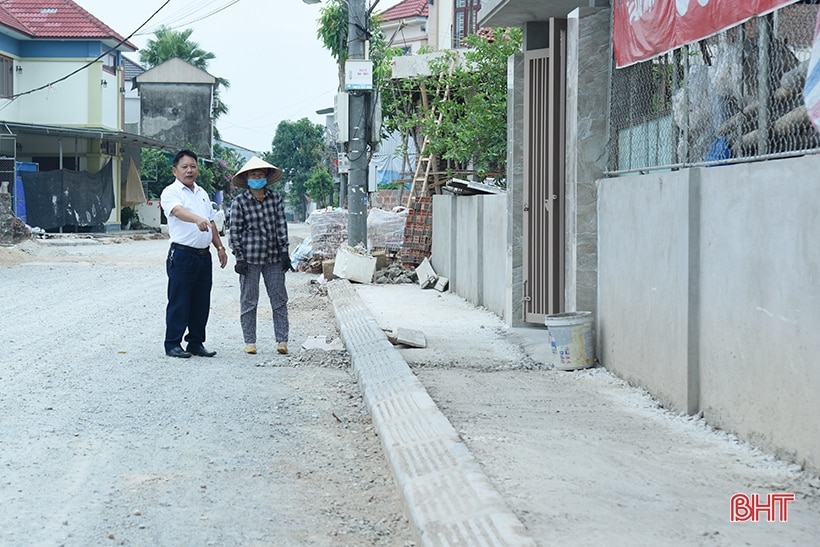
{"type": "Point", "coordinates": [386, 199]}
{"type": "Point", "coordinates": [418, 232]}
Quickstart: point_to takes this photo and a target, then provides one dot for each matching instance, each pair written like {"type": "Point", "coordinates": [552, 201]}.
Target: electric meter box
{"type": "Point", "coordinates": [358, 74]}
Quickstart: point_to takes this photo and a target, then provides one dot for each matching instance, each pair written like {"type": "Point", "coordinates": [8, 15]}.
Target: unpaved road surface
{"type": "Point", "coordinates": [106, 441]}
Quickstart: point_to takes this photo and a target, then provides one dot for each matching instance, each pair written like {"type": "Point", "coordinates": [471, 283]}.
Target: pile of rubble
{"type": "Point", "coordinates": [395, 274]}
{"type": "Point", "coordinates": [326, 251]}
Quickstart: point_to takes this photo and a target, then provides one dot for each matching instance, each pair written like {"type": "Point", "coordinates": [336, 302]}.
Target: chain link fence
{"type": "Point", "coordinates": [734, 97]}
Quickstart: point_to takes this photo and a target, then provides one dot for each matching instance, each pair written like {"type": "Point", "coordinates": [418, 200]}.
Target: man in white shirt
{"type": "Point", "coordinates": [188, 265]}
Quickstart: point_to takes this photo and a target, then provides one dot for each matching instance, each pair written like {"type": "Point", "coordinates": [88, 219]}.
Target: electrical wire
{"type": "Point", "coordinates": [180, 22]}
{"type": "Point", "coordinates": [80, 69]}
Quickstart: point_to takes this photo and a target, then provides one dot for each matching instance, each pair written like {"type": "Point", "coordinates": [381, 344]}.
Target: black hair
{"type": "Point", "coordinates": [185, 152]}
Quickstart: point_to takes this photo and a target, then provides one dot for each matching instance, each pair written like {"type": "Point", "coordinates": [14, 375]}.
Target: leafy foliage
{"type": "Point", "coordinates": [320, 187]}
{"type": "Point", "coordinates": [169, 43]}
{"type": "Point", "coordinates": [227, 162]}
{"type": "Point", "coordinates": [472, 133]}
{"type": "Point", "coordinates": [156, 172]}
{"type": "Point", "coordinates": [297, 148]}
{"type": "Point", "coordinates": [213, 176]}
{"type": "Point", "coordinates": [333, 34]}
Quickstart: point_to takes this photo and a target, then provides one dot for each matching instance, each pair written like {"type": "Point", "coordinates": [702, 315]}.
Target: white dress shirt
{"type": "Point", "coordinates": [196, 201]}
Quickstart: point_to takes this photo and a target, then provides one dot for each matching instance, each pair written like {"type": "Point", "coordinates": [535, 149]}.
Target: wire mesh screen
{"type": "Point", "coordinates": [734, 97]}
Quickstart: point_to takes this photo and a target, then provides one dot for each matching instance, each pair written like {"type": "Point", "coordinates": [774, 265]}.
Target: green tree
{"type": "Point", "coordinates": [320, 187]}
{"type": "Point", "coordinates": [227, 162]}
{"type": "Point", "coordinates": [169, 44]}
{"type": "Point", "coordinates": [214, 175]}
{"type": "Point", "coordinates": [297, 148]}
{"type": "Point", "coordinates": [332, 33]}
{"type": "Point", "coordinates": [472, 132]}
{"type": "Point", "coordinates": [156, 172]}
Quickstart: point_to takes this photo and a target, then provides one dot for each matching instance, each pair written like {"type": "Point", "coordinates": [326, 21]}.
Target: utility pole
{"type": "Point", "coordinates": [357, 197]}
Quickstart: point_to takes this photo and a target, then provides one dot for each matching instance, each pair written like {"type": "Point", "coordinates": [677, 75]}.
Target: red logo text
{"type": "Point", "coordinates": [749, 507]}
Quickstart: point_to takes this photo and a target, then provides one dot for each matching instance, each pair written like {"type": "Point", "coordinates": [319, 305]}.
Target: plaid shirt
{"type": "Point", "coordinates": [259, 229]}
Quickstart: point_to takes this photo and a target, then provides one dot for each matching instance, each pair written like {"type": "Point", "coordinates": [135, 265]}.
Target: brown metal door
{"type": "Point", "coordinates": [544, 159]}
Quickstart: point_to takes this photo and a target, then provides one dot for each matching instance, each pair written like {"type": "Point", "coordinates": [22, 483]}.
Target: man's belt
{"type": "Point", "coordinates": [181, 247]}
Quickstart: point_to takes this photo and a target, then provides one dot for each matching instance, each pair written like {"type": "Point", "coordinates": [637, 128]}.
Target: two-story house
{"type": "Point", "coordinates": [62, 114]}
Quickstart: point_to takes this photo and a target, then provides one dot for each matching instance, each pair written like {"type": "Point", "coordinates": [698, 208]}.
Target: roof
{"type": "Point", "coordinates": [121, 137]}
{"type": "Point", "coordinates": [176, 71]}
{"type": "Point", "coordinates": [62, 19]}
{"type": "Point", "coordinates": [131, 68]}
{"type": "Point", "coordinates": [404, 10]}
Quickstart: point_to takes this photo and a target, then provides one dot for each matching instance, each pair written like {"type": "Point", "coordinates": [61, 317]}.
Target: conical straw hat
{"type": "Point", "coordinates": [240, 179]}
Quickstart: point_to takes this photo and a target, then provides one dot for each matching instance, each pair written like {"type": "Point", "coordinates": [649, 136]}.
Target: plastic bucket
{"type": "Point", "coordinates": [571, 339]}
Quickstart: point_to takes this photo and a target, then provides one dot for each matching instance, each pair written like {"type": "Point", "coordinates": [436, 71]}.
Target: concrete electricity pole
{"type": "Point", "coordinates": [357, 197]}
{"type": "Point", "coordinates": [358, 83]}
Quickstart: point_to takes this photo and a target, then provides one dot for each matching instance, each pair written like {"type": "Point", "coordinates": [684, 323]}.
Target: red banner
{"type": "Point", "coordinates": [643, 29]}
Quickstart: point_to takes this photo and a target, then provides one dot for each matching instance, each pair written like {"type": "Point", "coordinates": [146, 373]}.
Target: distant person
{"type": "Point", "coordinates": [259, 241]}
{"type": "Point", "coordinates": [190, 274]}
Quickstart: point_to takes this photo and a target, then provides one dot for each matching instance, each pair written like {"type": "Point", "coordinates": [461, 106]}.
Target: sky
{"type": "Point", "coordinates": [266, 49]}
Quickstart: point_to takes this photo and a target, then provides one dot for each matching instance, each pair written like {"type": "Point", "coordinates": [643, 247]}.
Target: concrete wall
{"type": "Point", "coordinates": [514, 305]}
{"type": "Point", "coordinates": [643, 263]}
{"type": "Point", "coordinates": [709, 299]}
{"type": "Point", "coordinates": [470, 247]}
{"type": "Point", "coordinates": [177, 114]}
{"type": "Point", "coordinates": [588, 74]}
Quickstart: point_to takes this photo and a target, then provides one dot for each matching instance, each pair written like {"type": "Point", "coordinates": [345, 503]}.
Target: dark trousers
{"type": "Point", "coordinates": [190, 276]}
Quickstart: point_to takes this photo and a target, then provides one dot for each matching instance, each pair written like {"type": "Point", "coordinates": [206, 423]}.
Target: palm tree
{"type": "Point", "coordinates": [168, 44]}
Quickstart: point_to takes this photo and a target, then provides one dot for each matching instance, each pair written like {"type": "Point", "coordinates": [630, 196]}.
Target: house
{"type": "Point", "coordinates": [405, 25]}
{"type": "Point", "coordinates": [411, 24]}
{"type": "Point", "coordinates": [660, 196]}
{"type": "Point", "coordinates": [131, 109]}
{"type": "Point", "coordinates": [62, 118]}
{"type": "Point", "coordinates": [175, 105]}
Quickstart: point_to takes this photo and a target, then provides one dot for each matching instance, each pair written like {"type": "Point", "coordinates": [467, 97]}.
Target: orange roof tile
{"type": "Point", "coordinates": [55, 19]}
{"type": "Point", "coordinates": [405, 9]}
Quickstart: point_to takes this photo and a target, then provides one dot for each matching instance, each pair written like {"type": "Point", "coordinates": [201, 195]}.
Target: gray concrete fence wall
{"type": "Point", "coordinates": [708, 296]}
{"type": "Point", "coordinates": [470, 247]}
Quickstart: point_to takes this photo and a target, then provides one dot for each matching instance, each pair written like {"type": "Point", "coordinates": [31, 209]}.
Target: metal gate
{"type": "Point", "coordinates": [544, 162]}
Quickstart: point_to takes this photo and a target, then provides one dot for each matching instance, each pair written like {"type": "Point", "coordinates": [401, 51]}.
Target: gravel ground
{"type": "Point", "coordinates": [105, 440]}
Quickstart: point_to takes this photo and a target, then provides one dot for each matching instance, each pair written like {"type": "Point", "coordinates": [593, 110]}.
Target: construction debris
{"type": "Point", "coordinates": [407, 337]}
{"type": "Point", "coordinates": [429, 279]}
{"type": "Point", "coordinates": [471, 188]}
{"type": "Point", "coordinates": [354, 264]}
{"type": "Point", "coordinates": [441, 283]}
{"type": "Point", "coordinates": [395, 274]}
{"type": "Point", "coordinates": [323, 343]}
{"type": "Point", "coordinates": [427, 275]}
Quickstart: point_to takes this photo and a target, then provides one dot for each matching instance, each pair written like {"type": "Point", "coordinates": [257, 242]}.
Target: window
{"type": "Point", "coordinates": [110, 63]}
{"type": "Point", "coordinates": [6, 77]}
{"type": "Point", "coordinates": [465, 20]}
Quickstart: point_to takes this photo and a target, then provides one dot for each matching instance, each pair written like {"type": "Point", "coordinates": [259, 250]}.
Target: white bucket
{"type": "Point", "coordinates": [571, 339]}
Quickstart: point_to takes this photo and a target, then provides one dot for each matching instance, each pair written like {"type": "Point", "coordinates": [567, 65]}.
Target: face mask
{"type": "Point", "coordinates": [257, 184]}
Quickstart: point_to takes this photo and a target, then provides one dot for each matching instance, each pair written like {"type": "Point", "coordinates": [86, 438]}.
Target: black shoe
{"type": "Point", "coordinates": [177, 352]}
{"type": "Point", "coordinates": [200, 350]}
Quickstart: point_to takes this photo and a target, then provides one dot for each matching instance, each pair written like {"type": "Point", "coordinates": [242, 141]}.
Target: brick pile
{"type": "Point", "coordinates": [418, 232]}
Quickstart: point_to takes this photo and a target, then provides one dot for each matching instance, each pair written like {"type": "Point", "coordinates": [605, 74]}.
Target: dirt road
{"type": "Point", "coordinates": [105, 440]}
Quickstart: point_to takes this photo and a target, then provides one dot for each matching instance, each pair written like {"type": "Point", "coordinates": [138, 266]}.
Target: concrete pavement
{"type": "Point", "coordinates": [448, 498]}
{"type": "Point", "coordinates": [554, 458]}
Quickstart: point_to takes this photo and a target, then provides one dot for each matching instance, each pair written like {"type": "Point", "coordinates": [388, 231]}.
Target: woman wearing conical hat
{"type": "Point", "coordinates": [259, 242]}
